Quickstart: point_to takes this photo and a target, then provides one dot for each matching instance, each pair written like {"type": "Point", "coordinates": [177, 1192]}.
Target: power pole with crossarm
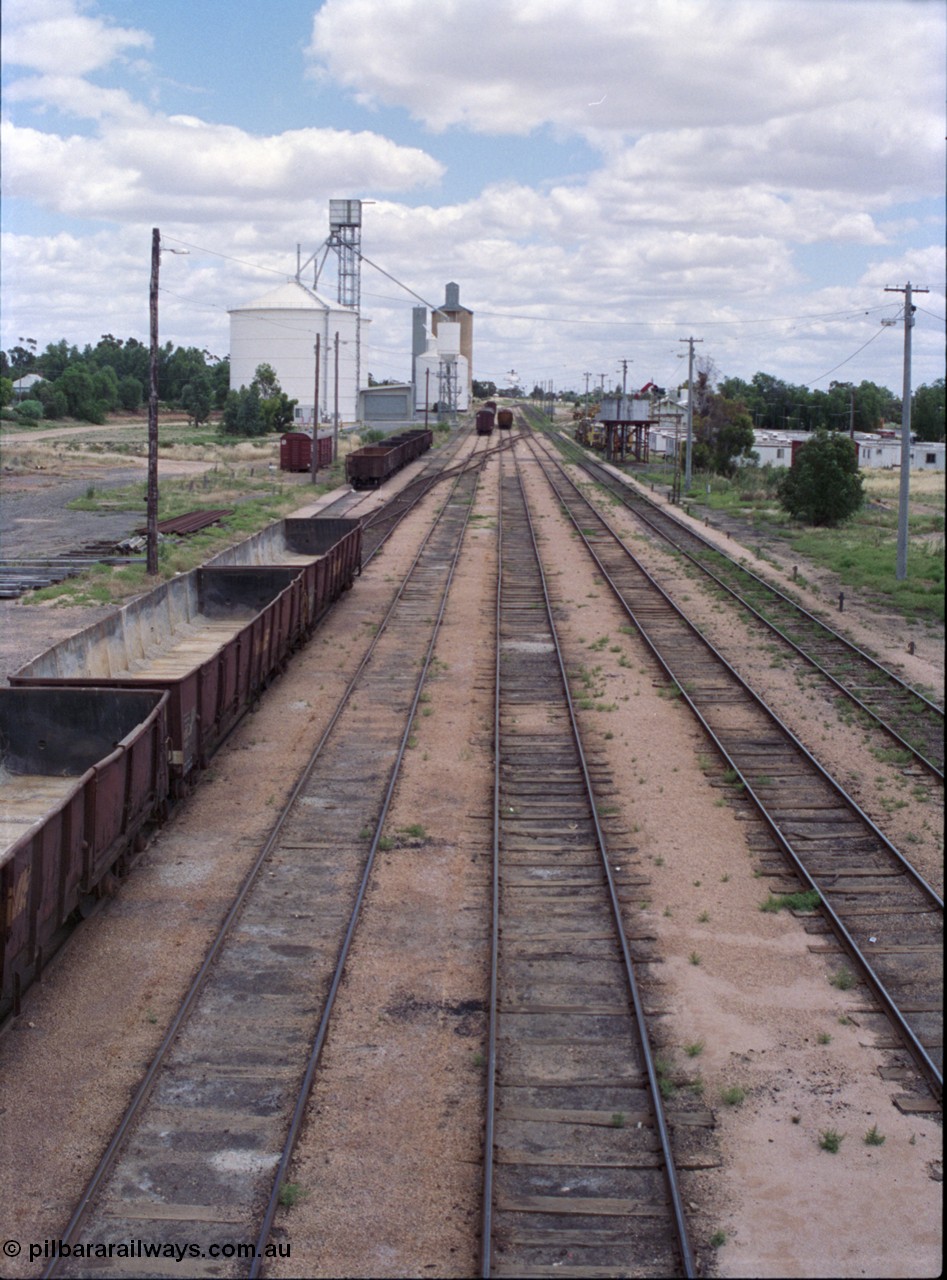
{"type": "Point", "coordinates": [901, 569]}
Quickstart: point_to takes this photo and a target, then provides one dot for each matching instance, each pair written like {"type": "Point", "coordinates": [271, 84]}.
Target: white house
{"type": "Point", "coordinates": [280, 329]}
{"type": "Point", "coordinates": [24, 386]}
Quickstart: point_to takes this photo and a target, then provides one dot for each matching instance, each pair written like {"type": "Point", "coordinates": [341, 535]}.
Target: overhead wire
{"type": "Point", "coordinates": [611, 320]}
{"type": "Point", "coordinates": [873, 338]}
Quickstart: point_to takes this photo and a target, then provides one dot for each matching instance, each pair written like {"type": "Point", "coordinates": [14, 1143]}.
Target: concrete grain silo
{"type": "Point", "coordinates": [453, 313]}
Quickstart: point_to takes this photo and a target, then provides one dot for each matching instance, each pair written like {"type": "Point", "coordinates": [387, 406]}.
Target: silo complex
{"type": "Point", "coordinates": [453, 313]}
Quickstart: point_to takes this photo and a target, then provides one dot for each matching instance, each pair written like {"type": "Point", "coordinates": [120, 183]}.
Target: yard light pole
{"type": "Point", "coordinates": [151, 534]}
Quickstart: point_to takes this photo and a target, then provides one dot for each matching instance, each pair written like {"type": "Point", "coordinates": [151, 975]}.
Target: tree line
{"type": "Point", "coordinates": [89, 384]}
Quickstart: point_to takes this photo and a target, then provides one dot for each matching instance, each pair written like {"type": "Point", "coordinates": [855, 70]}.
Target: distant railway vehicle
{"type": "Point", "coordinates": [373, 464]}
{"type": "Point", "coordinates": [295, 451]}
{"type": "Point", "coordinates": [505, 419]}
{"type": "Point", "coordinates": [485, 422]}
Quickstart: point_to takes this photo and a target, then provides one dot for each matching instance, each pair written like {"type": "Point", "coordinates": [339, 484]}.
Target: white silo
{"type": "Point", "coordinates": [280, 330]}
{"type": "Point", "coordinates": [441, 372]}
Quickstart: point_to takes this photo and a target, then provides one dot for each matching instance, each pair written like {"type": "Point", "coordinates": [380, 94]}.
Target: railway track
{"type": "Point", "coordinates": [906, 715]}
{"type": "Point", "coordinates": [440, 466]}
{"type": "Point", "coordinates": [203, 1147]}
{"type": "Point", "coordinates": [579, 1175]}
{"type": "Point", "coordinates": [885, 916]}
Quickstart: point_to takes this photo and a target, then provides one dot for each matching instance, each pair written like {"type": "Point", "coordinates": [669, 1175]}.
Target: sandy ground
{"type": "Point", "coordinates": [744, 1000]}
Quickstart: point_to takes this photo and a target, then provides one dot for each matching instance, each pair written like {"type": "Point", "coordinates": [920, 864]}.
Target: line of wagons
{"type": "Point", "coordinates": [365, 468]}
{"type": "Point", "coordinates": [489, 416]}
{"type": "Point", "coordinates": [101, 733]}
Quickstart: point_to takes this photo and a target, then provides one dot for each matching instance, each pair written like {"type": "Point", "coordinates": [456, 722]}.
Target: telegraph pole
{"type": "Point", "coordinates": [690, 411]}
{"type": "Point", "coordinates": [314, 460]}
{"type": "Point", "coordinates": [624, 376]}
{"type": "Point", "coordinates": [586, 376]}
{"type": "Point", "coordinates": [335, 429]}
{"type": "Point", "coordinates": [152, 518]}
{"type": "Point", "coordinates": [901, 569]}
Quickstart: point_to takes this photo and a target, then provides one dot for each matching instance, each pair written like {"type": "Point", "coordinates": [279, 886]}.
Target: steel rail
{"type": "Point", "coordinates": [425, 484]}
{"type": "Point", "coordinates": [661, 521]}
{"type": "Point", "coordinates": [637, 1004]}
{"type": "Point", "coordinates": [316, 1052]}
{"type": "Point", "coordinates": [486, 1223]}
{"type": "Point", "coordinates": [919, 1053]}
{"type": "Point", "coordinates": [107, 1160]}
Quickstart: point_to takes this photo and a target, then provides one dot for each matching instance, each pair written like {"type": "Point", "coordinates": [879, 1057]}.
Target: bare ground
{"type": "Point", "coordinates": [400, 1093]}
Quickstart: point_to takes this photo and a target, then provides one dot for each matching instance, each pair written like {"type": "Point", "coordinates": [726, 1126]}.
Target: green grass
{"type": "Point", "coordinates": [830, 1140]}
{"type": "Point", "coordinates": [873, 1138]}
{"type": "Point", "coordinates": [843, 979]}
{"type": "Point", "coordinates": [802, 901]}
{"type": "Point", "coordinates": [734, 1096]}
{"type": "Point", "coordinates": [864, 554]}
{"type": "Point", "coordinates": [861, 552]}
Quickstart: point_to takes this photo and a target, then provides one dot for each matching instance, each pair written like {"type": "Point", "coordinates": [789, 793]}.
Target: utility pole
{"type": "Point", "coordinates": [151, 525]}
{"type": "Point", "coordinates": [335, 419]}
{"type": "Point", "coordinates": [690, 411]}
{"type": "Point", "coordinates": [586, 376]}
{"type": "Point", "coordinates": [152, 519]}
{"type": "Point", "coordinates": [624, 376]}
{"type": "Point", "coordinates": [314, 460]}
{"type": "Point", "coordinates": [901, 569]}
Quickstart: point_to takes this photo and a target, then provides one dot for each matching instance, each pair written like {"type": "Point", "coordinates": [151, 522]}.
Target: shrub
{"type": "Point", "coordinates": [243, 414]}
{"type": "Point", "coordinates": [130, 393]}
{"type": "Point", "coordinates": [29, 411]}
{"type": "Point", "coordinates": [823, 486]}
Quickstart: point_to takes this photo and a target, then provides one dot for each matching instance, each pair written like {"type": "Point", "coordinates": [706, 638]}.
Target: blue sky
{"type": "Point", "coordinates": [623, 173]}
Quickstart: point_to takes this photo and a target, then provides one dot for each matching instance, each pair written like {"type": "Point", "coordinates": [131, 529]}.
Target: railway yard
{"type": "Point", "coordinates": [453, 962]}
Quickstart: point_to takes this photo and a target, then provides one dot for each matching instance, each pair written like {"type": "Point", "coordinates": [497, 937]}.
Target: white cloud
{"type": "Point", "coordinates": [729, 136]}
{"type": "Point", "coordinates": [502, 66]}
{"type": "Point", "coordinates": [52, 37]}
{"type": "Point", "coordinates": [142, 166]}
